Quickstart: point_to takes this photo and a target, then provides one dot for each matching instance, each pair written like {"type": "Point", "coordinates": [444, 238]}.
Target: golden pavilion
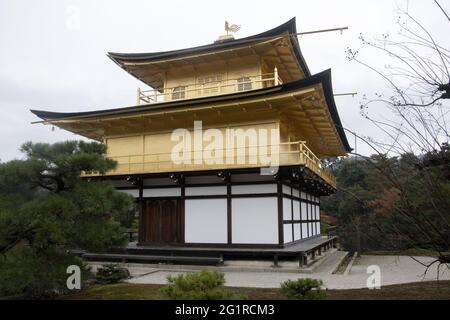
{"type": "Point", "coordinates": [223, 147]}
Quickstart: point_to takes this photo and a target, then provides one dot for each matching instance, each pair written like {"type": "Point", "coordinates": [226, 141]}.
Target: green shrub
{"type": "Point", "coordinates": [27, 274]}
{"type": "Point", "coordinates": [204, 285]}
{"type": "Point", "coordinates": [303, 289]}
{"type": "Point", "coordinates": [111, 273]}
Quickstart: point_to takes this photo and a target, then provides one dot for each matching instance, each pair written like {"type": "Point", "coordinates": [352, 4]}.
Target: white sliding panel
{"type": "Point", "coordinates": [255, 220]}
{"type": "Point", "coordinates": [296, 210]}
{"type": "Point", "coordinates": [287, 210]}
{"type": "Point", "coordinates": [162, 192]}
{"type": "Point", "coordinates": [205, 221]}
{"type": "Point", "coordinates": [206, 191]}
{"type": "Point", "coordinates": [304, 216]}
{"type": "Point", "coordinates": [311, 230]}
{"type": "Point", "coordinates": [297, 235]}
{"type": "Point", "coordinates": [304, 230]}
{"type": "Point", "coordinates": [254, 188]}
{"type": "Point", "coordinates": [287, 228]}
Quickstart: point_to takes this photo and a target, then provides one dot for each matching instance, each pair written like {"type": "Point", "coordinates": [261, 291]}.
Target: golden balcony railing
{"type": "Point", "coordinates": [217, 87]}
{"type": "Point", "coordinates": [282, 154]}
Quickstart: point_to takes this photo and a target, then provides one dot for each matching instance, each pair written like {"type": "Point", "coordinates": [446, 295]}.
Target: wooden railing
{"type": "Point", "coordinates": [196, 90]}
{"type": "Point", "coordinates": [286, 153]}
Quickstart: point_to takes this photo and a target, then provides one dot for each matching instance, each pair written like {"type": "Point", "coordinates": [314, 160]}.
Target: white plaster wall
{"type": "Point", "coordinates": [296, 210]}
{"type": "Point", "coordinates": [255, 220]}
{"type": "Point", "coordinates": [304, 216]}
{"type": "Point", "coordinates": [162, 192]}
{"type": "Point", "coordinates": [311, 230]}
{"type": "Point", "coordinates": [295, 192]}
{"type": "Point", "coordinates": [287, 233]}
{"type": "Point", "coordinates": [254, 188]}
{"type": "Point", "coordinates": [205, 221]}
{"type": "Point", "coordinates": [304, 230]}
{"type": "Point", "coordinates": [287, 213]}
{"type": "Point", "coordinates": [201, 191]}
{"type": "Point", "coordinates": [318, 227]}
{"type": "Point", "coordinates": [297, 235]}
{"type": "Point", "coordinates": [286, 189]}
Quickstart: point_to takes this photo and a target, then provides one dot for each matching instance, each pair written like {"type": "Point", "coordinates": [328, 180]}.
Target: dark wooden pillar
{"type": "Point", "coordinates": [142, 220]}
{"type": "Point", "coordinates": [300, 209]}
{"type": "Point", "coordinates": [181, 219]}
{"type": "Point", "coordinates": [280, 212]}
{"type": "Point", "coordinates": [229, 213]}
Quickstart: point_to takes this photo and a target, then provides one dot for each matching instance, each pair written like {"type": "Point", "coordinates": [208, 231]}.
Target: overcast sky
{"type": "Point", "coordinates": [51, 61]}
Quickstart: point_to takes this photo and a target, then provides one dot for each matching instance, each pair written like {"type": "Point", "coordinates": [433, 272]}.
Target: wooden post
{"type": "Point", "coordinates": [142, 220]}
{"type": "Point", "coordinates": [275, 76]}
{"type": "Point", "coordinates": [138, 96]}
{"type": "Point", "coordinates": [229, 213]}
{"type": "Point", "coordinates": [280, 212]}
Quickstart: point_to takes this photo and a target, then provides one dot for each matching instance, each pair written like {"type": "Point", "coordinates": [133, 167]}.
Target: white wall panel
{"type": "Point", "coordinates": [304, 217]}
{"type": "Point", "coordinates": [286, 189]}
{"type": "Point", "coordinates": [287, 233]}
{"type": "Point", "coordinates": [162, 192]}
{"type": "Point", "coordinates": [203, 191]}
{"type": "Point", "coordinates": [255, 220]}
{"type": "Point", "coordinates": [295, 192]}
{"type": "Point", "coordinates": [318, 227]}
{"type": "Point", "coordinates": [287, 210]}
{"type": "Point", "coordinates": [254, 188]}
{"type": "Point", "coordinates": [296, 210]}
{"type": "Point", "coordinates": [311, 230]}
{"type": "Point", "coordinates": [304, 230]}
{"type": "Point", "coordinates": [205, 221]}
{"type": "Point", "coordinates": [297, 235]}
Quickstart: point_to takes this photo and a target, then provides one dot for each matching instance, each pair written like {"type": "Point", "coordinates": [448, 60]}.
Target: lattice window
{"type": "Point", "coordinates": [210, 84]}
{"type": "Point", "coordinates": [179, 93]}
{"type": "Point", "coordinates": [244, 84]}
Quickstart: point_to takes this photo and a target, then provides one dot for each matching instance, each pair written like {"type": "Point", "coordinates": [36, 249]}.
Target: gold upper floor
{"type": "Point", "coordinates": [258, 82]}
{"type": "Point", "coordinates": [206, 84]}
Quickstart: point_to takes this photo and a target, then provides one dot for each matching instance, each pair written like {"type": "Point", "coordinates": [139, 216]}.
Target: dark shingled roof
{"type": "Point", "coordinates": [323, 77]}
{"type": "Point", "coordinates": [289, 27]}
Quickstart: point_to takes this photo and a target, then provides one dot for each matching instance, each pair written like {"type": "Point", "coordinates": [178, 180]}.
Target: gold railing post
{"type": "Point", "coordinates": [275, 76]}
{"type": "Point", "coordinates": [138, 96]}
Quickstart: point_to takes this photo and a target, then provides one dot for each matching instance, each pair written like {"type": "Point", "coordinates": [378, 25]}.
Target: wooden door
{"type": "Point", "coordinates": [163, 221]}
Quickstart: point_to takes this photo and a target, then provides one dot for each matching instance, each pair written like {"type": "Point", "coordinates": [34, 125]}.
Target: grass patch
{"type": "Point", "coordinates": [439, 290]}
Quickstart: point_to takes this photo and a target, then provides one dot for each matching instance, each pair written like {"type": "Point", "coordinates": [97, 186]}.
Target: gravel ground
{"type": "Point", "coordinates": [393, 270]}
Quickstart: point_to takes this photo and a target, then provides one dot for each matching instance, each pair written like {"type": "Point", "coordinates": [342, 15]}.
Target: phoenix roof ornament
{"type": "Point", "coordinates": [231, 27]}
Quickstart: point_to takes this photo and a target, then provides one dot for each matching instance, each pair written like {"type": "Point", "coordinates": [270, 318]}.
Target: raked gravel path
{"type": "Point", "coordinates": [394, 270]}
